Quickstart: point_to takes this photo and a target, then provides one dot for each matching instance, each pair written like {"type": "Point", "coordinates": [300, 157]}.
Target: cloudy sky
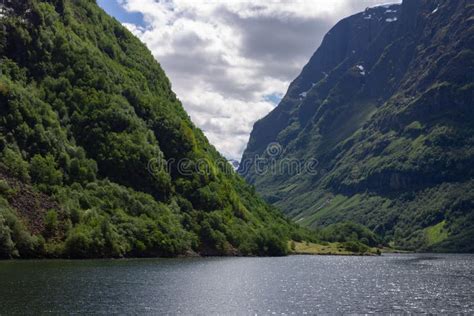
{"type": "Point", "coordinates": [230, 62]}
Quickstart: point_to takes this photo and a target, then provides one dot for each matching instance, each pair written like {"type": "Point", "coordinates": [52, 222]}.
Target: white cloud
{"type": "Point", "coordinates": [225, 58]}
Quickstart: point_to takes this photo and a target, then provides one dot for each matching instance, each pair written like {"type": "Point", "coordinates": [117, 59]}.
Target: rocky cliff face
{"type": "Point", "coordinates": [385, 107]}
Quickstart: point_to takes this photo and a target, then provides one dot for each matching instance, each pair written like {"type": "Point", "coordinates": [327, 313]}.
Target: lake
{"type": "Point", "coordinates": [428, 283]}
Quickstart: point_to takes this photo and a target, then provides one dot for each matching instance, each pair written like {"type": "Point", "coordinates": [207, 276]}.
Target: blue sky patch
{"type": "Point", "coordinates": [274, 98]}
{"type": "Point", "coordinates": [113, 8]}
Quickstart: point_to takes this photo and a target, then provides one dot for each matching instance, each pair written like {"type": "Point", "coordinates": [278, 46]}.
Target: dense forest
{"type": "Point", "coordinates": [88, 127]}
{"type": "Point", "coordinates": [385, 106]}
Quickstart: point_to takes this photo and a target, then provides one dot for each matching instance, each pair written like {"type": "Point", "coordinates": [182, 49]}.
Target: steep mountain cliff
{"type": "Point", "coordinates": [384, 112]}
{"type": "Point", "coordinates": [98, 157]}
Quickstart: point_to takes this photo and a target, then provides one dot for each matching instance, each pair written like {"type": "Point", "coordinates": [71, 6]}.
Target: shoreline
{"type": "Point", "coordinates": [232, 256]}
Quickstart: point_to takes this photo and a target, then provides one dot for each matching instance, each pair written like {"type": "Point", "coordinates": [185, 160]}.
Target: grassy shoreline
{"type": "Point", "coordinates": [330, 248]}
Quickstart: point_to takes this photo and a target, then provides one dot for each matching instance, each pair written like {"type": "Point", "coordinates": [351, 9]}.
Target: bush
{"type": "Point", "coordinates": [5, 188]}
{"type": "Point", "coordinates": [355, 246]}
{"type": "Point", "coordinates": [82, 170]}
{"type": "Point", "coordinates": [349, 231]}
{"type": "Point", "coordinates": [51, 223]}
{"type": "Point", "coordinates": [25, 245]}
{"type": "Point", "coordinates": [12, 160]}
{"type": "Point", "coordinates": [7, 247]}
{"type": "Point", "coordinates": [270, 242]}
{"type": "Point", "coordinates": [78, 244]}
{"type": "Point", "coordinates": [43, 170]}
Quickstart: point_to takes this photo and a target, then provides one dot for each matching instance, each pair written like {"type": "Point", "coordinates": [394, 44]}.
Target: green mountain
{"type": "Point", "coordinates": [98, 157]}
{"type": "Point", "coordinates": [378, 129]}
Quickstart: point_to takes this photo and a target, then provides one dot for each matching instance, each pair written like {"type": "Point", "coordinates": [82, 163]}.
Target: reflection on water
{"type": "Point", "coordinates": [296, 284]}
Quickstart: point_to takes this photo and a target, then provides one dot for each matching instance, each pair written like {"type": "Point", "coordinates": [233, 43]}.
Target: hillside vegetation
{"type": "Point", "coordinates": [91, 134]}
{"type": "Point", "coordinates": [385, 107]}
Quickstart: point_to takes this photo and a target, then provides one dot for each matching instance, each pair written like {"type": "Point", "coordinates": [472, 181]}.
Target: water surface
{"type": "Point", "coordinates": [297, 284]}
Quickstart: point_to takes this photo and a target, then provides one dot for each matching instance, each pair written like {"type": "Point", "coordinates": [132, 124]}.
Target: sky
{"type": "Point", "coordinates": [231, 61]}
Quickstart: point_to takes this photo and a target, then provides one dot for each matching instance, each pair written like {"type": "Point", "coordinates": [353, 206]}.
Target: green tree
{"type": "Point", "coordinates": [44, 170]}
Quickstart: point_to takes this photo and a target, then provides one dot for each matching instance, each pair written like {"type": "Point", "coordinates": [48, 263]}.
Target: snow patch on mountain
{"type": "Point", "coordinates": [361, 69]}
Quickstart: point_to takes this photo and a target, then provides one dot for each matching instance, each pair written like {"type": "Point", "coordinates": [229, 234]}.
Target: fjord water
{"type": "Point", "coordinates": [430, 283]}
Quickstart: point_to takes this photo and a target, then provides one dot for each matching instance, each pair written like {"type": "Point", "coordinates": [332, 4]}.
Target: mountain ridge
{"type": "Point", "coordinates": [369, 107]}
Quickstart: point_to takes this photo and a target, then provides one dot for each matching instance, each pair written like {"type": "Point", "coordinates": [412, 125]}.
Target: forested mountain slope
{"type": "Point", "coordinates": [385, 106]}
{"type": "Point", "coordinates": [91, 136]}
